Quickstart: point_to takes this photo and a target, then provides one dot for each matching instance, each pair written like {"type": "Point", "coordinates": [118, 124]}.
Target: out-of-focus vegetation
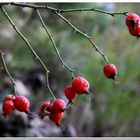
{"type": "Point", "coordinates": [116, 110]}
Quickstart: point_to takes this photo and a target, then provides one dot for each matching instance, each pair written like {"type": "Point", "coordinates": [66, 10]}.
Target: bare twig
{"type": "Point", "coordinates": [6, 70]}
{"type": "Point", "coordinates": [90, 10]}
{"type": "Point", "coordinates": [83, 34]}
{"type": "Point", "coordinates": [58, 13]}
{"type": "Point", "coordinates": [30, 47]}
{"type": "Point", "coordinates": [65, 10]}
{"type": "Point", "coordinates": [54, 45]}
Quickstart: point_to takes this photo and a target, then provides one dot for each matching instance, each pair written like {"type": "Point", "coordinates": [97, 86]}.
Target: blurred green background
{"type": "Point", "coordinates": [116, 109]}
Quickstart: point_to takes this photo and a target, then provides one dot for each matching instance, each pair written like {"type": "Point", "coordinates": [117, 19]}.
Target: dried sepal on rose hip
{"type": "Point", "coordinates": [110, 71]}
{"type": "Point", "coordinates": [80, 85]}
{"type": "Point", "coordinates": [70, 93]}
{"type": "Point", "coordinates": [8, 107]}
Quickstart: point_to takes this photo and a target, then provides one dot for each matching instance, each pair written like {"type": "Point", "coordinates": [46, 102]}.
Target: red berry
{"type": "Point", "coordinates": [135, 31]}
{"type": "Point", "coordinates": [43, 107]}
{"type": "Point", "coordinates": [22, 104]}
{"type": "Point", "coordinates": [80, 85]}
{"type": "Point", "coordinates": [9, 97]}
{"type": "Point", "coordinates": [70, 93]}
{"type": "Point", "coordinates": [58, 106]}
{"type": "Point", "coordinates": [132, 20]}
{"type": "Point", "coordinates": [56, 117]}
{"type": "Point", "coordinates": [49, 108]}
{"type": "Point", "coordinates": [110, 71]}
{"type": "Point", "coordinates": [8, 107]}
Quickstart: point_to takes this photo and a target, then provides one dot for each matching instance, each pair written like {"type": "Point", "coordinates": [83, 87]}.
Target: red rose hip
{"type": "Point", "coordinates": [80, 85]}
{"type": "Point", "coordinates": [132, 20]}
{"type": "Point", "coordinates": [135, 31]}
{"type": "Point", "coordinates": [56, 117]}
{"type": "Point", "coordinates": [22, 104]}
{"type": "Point", "coordinates": [43, 107]}
{"type": "Point", "coordinates": [58, 106]}
{"type": "Point", "coordinates": [8, 107]}
{"type": "Point", "coordinates": [70, 93]}
{"type": "Point", "coordinates": [110, 71]}
{"type": "Point", "coordinates": [9, 97]}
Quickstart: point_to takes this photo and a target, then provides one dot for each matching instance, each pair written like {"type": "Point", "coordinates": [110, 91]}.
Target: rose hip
{"type": "Point", "coordinates": [80, 85]}
{"type": "Point", "coordinates": [43, 108]}
{"type": "Point", "coordinates": [56, 117]}
{"type": "Point", "coordinates": [110, 71]}
{"type": "Point", "coordinates": [58, 106]}
{"type": "Point", "coordinates": [22, 104]}
{"type": "Point", "coordinates": [70, 93]}
{"type": "Point", "coordinates": [132, 20]}
{"type": "Point", "coordinates": [8, 107]}
{"type": "Point", "coordinates": [9, 97]}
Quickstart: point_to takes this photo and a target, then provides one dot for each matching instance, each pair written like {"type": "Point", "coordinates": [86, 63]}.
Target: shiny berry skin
{"type": "Point", "coordinates": [70, 93]}
{"type": "Point", "coordinates": [8, 107]}
{"type": "Point", "coordinates": [132, 20]}
{"type": "Point", "coordinates": [110, 71]}
{"type": "Point", "coordinates": [56, 117]}
{"type": "Point", "coordinates": [9, 97]}
{"type": "Point", "coordinates": [43, 107]}
{"type": "Point", "coordinates": [58, 106]}
{"type": "Point", "coordinates": [80, 85]}
{"type": "Point", "coordinates": [135, 31]}
{"type": "Point", "coordinates": [22, 104]}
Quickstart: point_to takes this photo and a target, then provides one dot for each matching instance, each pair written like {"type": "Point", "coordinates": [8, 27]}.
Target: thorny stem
{"type": "Point", "coordinates": [54, 45]}
{"type": "Point", "coordinates": [30, 47]}
{"type": "Point", "coordinates": [83, 34]}
{"type": "Point", "coordinates": [6, 70]}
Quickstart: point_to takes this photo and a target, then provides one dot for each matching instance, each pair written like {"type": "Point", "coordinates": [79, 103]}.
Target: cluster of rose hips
{"type": "Point", "coordinates": [79, 86]}
{"type": "Point", "coordinates": [11, 102]}
{"type": "Point", "coordinates": [133, 23]}
{"type": "Point", "coordinates": [55, 110]}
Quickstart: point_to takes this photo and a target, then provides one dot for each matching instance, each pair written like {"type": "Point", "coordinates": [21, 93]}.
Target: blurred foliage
{"type": "Point", "coordinates": [116, 109]}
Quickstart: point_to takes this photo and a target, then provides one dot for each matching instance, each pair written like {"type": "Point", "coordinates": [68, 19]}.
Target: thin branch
{"type": "Point", "coordinates": [83, 34]}
{"type": "Point", "coordinates": [54, 45]}
{"type": "Point", "coordinates": [29, 46]}
{"type": "Point", "coordinates": [65, 10]}
{"type": "Point", "coordinates": [91, 10]}
{"type": "Point", "coordinates": [48, 86]}
{"type": "Point", "coordinates": [25, 40]}
{"type": "Point", "coordinates": [6, 70]}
